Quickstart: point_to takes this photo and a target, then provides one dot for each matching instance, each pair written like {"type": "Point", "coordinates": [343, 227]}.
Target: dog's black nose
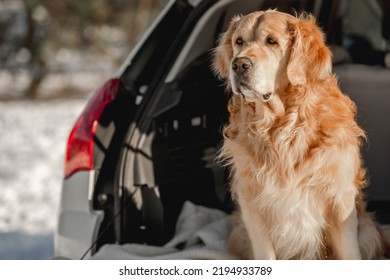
{"type": "Point", "coordinates": [241, 65]}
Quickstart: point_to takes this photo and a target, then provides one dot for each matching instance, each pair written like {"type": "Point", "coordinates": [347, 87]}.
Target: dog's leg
{"type": "Point", "coordinates": [261, 244]}
{"type": "Point", "coordinates": [344, 237]}
{"type": "Point", "coordinates": [370, 240]}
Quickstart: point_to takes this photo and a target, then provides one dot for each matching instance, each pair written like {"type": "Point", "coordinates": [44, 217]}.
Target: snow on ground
{"type": "Point", "coordinates": [33, 137]}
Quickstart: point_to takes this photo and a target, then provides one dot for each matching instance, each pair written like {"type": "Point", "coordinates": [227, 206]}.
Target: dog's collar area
{"type": "Point", "coordinates": [267, 96]}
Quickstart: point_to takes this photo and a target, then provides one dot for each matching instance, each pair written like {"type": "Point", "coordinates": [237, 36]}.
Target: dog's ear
{"type": "Point", "coordinates": [223, 53]}
{"type": "Point", "coordinates": [310, 59]}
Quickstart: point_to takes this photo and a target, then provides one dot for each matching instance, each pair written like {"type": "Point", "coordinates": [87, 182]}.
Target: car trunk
{"type": "Point", "coordinates": [166, 153]}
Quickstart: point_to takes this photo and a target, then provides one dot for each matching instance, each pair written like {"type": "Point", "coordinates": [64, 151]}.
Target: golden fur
{"type": "Point", "coordinates": [292, 144]}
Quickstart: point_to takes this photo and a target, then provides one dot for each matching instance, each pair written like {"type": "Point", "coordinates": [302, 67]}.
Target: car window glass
{"type": "Point", "coordinates": [363, 19]}
{"type": "Point", "coordinates": [362, 34]}
{"type": "Point", "coordinates": [144, 66]}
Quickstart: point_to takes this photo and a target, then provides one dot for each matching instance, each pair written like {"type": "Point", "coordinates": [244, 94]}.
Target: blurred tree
{"type": "Point", "coordinates": [46, 29]}
{"type": "Point", "coordinates": [33, 44]}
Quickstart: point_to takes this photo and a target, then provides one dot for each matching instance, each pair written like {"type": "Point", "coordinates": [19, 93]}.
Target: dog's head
{"type": "Point", "coordinates": [263, 52]}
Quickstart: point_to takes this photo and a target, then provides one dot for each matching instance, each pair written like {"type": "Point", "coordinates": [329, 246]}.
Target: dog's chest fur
{"type": "Point", "coordinates": [289, 199]}
{"type": "Point", "coordinates": [289, 173]}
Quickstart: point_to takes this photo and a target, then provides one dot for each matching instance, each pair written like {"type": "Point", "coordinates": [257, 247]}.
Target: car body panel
{"type": "Point", "coordinates": [78, 223]}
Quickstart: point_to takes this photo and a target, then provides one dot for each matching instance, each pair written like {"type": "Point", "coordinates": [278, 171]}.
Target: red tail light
{"type": "Point", "coordinates": [79, 152]}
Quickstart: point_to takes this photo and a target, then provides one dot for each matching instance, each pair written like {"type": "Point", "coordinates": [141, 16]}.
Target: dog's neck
{"type": "Point", "coordinates": [262, 108]}
{"type": "Point", "coordinates": [281, 108]}
{"type": "Point", "coordinates": [276, 105]}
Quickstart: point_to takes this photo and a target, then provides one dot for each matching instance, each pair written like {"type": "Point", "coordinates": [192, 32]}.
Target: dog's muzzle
{"type": "Point", "coordinates": [241, 65]}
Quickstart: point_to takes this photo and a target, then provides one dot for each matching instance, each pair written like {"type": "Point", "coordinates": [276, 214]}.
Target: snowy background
{"type": "Point", "coordinates": [33, 138]}
{"type": "Point", "coordinates": [52, 58]}
{"type": "Point", "coordinates": [34, 127]}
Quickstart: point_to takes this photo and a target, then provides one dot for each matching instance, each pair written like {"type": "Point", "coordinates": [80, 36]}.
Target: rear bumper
{"type": "Point", "coordinates": [78, 224]}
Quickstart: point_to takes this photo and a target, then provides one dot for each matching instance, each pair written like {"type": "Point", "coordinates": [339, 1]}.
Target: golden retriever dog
{"type": "Point", "coordinates": [292, 144]}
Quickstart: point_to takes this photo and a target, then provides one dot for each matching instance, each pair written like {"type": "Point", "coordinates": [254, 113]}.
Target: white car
{"type": "Point", "coordinates": [147, 139]}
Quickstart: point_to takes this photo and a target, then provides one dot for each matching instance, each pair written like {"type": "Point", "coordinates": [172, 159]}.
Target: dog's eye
{"type": "Point", "coordinates": [271, 41]}
{"type": "Point", "coordinates": [239, 41]}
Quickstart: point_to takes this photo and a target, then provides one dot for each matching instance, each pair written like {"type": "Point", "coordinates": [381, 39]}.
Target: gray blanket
{"type": "Point", "coordinates": [201, 233]}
